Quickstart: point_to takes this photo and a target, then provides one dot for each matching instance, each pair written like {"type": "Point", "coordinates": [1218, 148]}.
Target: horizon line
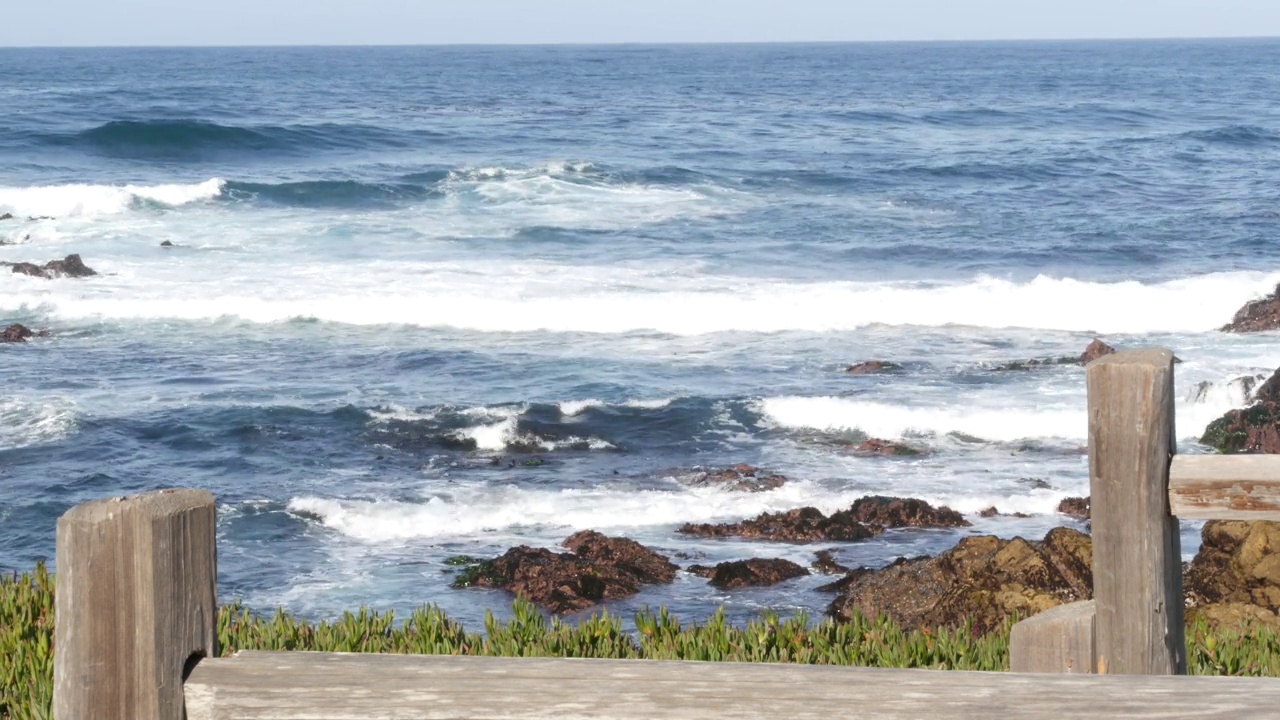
{"type": "Point", "coordinates": [645, 43]}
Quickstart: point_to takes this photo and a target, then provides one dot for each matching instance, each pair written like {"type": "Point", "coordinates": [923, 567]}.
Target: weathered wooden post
{"type": "Point", "coordinates": [1137, 557]}
{"type": "Point", "coordinates": [136, 605]}
{"type": "Point", "coordinates": [1058, 640]}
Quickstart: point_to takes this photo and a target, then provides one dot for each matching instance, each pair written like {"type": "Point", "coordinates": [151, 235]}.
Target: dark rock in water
{"type": "Point", "coordinates": [599, 568]}
{"type": "Point", "coordinates": [739, 478]}
{"type": "Point", "coordinates": [1254, 429]}
{"type": "Point", "coordinates": [701, 571]}
{"type": "Point", "coordinates": [805, 524]}
{"type": "Point", "coordinates": [826, 564]}
{"type": "Point", "coordinates": [885, 448]}
{"type": "Point", "coordinates": [1257, 315]}
{"type": "Point", "coordinates": [6, 216]}
{"type": "Point", "coordinates": [1075, 507]}
{"type": "Point", "coordinates": [994, 512]}
{"type": "Point", "coordinates": [1268, 392]}
{"type": "Point", "coordinates": [1095, 350]}
{"type": "Point", "coordinates": [1036, 363]}
{"type": "Point", "coordinates": [756, 572]}
{"type": "Point", "coordinates": [896, 512]}
{"type": "Point", "coordinates": [982, 579]}
{"type": "Point", "coordinates": [17, 334]}
{"type": "Point", "coordinates": [1035, 483]}
{"type": "Point", "coordinates": [866, 518]}
{"type": "Point", "coordinates": [70, 266]}
{"type": "Point", "coordinates": [38, 218]}
{"type": "Point", "coordinates": [166, 243]}
{"type": "Point", "coordinates": [872, 367]}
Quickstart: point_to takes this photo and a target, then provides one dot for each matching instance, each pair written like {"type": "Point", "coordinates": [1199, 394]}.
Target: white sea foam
{"type": "Point", "coordinates": [90, 200]}
{"type": "Point", "coordinates": [30, 422]}
{"type": "Point", "coordinates": [572, 408]}
{"type": "Point", "coordinates": [500, 297]}
{"type": "Point", "coordinates": [396, 412]}
{"type": "Point", "coordinates": [884, 420]}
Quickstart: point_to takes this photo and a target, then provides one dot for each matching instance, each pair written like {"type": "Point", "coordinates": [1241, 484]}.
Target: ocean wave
{"type": "Point", "coordinates": [587, 299]}
{"type": "Point", "coordinates": [28, 422]}
{"type": "Point", "coordinates": [486, 429]}
{"type": "Point", "coordinates": [82, 200]}
{"type": "Point", "coordinates": [1239, 135]}
{"type": "Point", "coordinates": [190, 139]}
{"type": "Point", "coordinates": [329, 193]}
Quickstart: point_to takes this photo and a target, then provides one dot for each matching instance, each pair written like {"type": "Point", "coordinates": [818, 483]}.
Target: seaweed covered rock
{"type": "Point", "coordinates": [1257, 315]}
{"type": "Point", "coordinates": [1238, 563]}
{"type": "Point", "coordinates": [739, 478]}
{"type": "Point", "coordinates": [17, 333]}
{"type": "Point", "coordinates": [895, 512]}
{"type": "Point", "coordinates": [983, 580]}
{"type": "Point", "coordinates": [70, 266]}
{"type": "Point", "coordinates": [756, 572]}
{"type": "Point", "coordinates": [872, 367]}
{"type": "Point", "coordinates": [1075, 506]}
{"type": "Point", "coordinates": [599, 568]}
{"type": "Point", "coordinates": [806, 524]}
{"type": "Point", "coordinates": [1255, 429]}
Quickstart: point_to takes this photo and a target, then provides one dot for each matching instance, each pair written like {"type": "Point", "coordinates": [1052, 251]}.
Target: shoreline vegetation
{"type": "Point", "coordinates": [27, 611]}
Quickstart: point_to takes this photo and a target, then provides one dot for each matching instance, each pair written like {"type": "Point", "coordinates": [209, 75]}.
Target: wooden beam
{"type": "Point", "coordinates": [1225, 487]}
{"type": "Point", "coordinates": [135, 604]}
{"type": "Point", "coordinates": [336, 686]}
{"type": "Point", "coordinates": [1059, 640]}
{"type": "Point", "coordinates": [1137, 557]}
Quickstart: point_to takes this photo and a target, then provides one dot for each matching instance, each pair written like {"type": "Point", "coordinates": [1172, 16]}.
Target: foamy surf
{"type": "Point", "coordinates": [25, 422]}
{"type": "Point", "coordinates": [82, 200]}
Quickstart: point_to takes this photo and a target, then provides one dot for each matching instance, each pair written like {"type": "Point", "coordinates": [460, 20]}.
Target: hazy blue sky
{"type": "Point", "coordinates": [257, 22]}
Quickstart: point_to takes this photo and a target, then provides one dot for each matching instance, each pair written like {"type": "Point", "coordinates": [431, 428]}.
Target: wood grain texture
{"type": "Point", "coordinates": [136, 599]}
{"type": "Point", "coordinates": [1225, 487]}
{"type": "Point", "coordinates": [334, 686]}
{"type": "Point", "coordinates": [1060, 640]}
{"type": "Point", "coordinates": [1137, 557]}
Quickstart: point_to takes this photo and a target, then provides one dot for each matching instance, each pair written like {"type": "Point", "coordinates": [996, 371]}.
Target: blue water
{"type": "Point", "coordinates": [402, 274]}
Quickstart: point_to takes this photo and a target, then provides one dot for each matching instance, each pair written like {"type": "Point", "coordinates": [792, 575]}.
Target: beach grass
{"type": "Point", "coordinates": [27, 610]}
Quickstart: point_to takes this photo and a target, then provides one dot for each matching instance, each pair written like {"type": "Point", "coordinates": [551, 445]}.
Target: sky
{"type": "Point", "coordinates": [379, 22]}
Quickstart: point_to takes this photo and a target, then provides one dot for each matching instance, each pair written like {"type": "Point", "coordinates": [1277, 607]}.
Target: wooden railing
{"type": "Point", "coordinates": [136, 608]}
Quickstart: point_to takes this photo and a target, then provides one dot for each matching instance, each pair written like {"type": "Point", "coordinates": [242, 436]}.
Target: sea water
{"type": "Point", "coordinates": [424, 302]}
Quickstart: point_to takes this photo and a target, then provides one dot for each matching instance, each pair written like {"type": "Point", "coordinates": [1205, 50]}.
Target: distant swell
{"type": "Point", "coordinates": [180, 140]}
{"type": "Point", "coordinates": [1242, 135]}
{"type": "Point", "coordinates": [333, 193]}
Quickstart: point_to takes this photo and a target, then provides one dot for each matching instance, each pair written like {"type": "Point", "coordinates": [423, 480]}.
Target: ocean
{"type": "Point", "coordinates": [431, 301]}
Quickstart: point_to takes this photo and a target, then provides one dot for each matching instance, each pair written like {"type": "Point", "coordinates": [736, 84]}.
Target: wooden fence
{"type": "Point", "coordinates": [136, 608]}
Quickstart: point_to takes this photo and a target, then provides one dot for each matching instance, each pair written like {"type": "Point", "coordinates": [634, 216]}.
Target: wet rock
{"type": "Point", "coordinates": [866, 518]}
{"type": "Point", "coordinates": [872, 367]}
{"type": "Point", "coordinates": [995, 512]}
{"type": "Point", "coordinates": [166, 243]}
{"type": "Point", "coordinates": [739, 478]}
{"type": "Point", "coordinates": [982, 579]}
{"type": "Point", "coordinates": [1035, 363]}
{"type": "Point", "coordinates": [70, 266]}
{"type": "Point", "coordinates": [598, 568]}
{"type": "Point", "coordinates": [757, 572]}
{"type": "Point", "coordinates": [1254, 429]}
{"type": "Point", "coordinates": [16, 334]}
{"type": "Point", "coordinates": [1257, 315]}
{"type": "Point", "coordinates": [825, 563]}
{"type": "Point", "coordinates": [894, 512]}
{"type": "Point", "coordinates": [1095, 350]}
{"type": "Point", "coordinates": [1075, 507]}
{"type": "Point", "coordinates": [885, 448]}
{"type": "Point", "coordinates": [805, 524]}
{"type": "Point", "coordinates": [6, 216]}
{"type": "Point", "coordinates": [1036, 483]}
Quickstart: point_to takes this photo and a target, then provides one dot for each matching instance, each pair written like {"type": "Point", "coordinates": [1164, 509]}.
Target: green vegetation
{"type": "Point", "coordinates": [26, 640]}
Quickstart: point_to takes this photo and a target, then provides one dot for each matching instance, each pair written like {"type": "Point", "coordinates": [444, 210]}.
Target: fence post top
{"type": "Point", "coordinates": [154, 504]}
{"type": "Point", "coordinates": [1137, 356]}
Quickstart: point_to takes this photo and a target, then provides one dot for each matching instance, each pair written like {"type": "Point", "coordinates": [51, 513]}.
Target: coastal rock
{"type": "Point", "coordinates": [993, 511]}
{"type": "Point", "coordinates": [166, 243]}
{"type": "Point", "coordinates": [1095, 350]}
{"type": "Point", "coordinates": [6, 216]}
{"type": "Point", "coordinates": [1035, 363]}
{"type": "Point", "coordinates": [894, 512]}
{"type": "Point", "coordinates": [757, 572]}
{"type": "Point", "coordinates": [17, 334]}
{"type": "Point", "coordinates": [600, 568]}
{"type": "Point", "coordinates": [885, 448]}
{"type": "Point", "coordinates": [872, 367]}
{"type": "Point", "coordinates": [983, 580]}
{"type": "Point", "coordinates": [805, 524]}
{"type": "Point", "coordinates": [1238, 563]}
{"type": "Point", "coordinates": [825, 563]}
{"type": "Point", "coordinates": [1256, 315]}
{"type": "Point", "coordinates": [866, 518]}
{"type": "Point", "coordinates": [1255, 429]}
{"type": "Point", "coordinates": [1075, 507]}
{"type": "Point", "coordinates": [1233, 615]}
{"type": "Point", "coordinates": [70, 266]}
{"type": "Point", "coordinates": [739, 478]}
